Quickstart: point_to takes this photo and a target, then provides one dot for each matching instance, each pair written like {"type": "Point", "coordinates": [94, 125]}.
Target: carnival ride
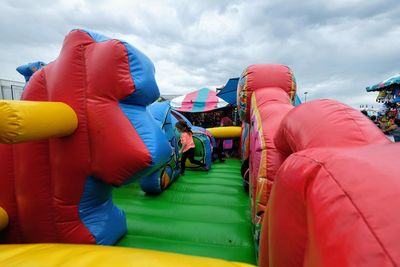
{"type": "Point", "coordinates": [323, 188]}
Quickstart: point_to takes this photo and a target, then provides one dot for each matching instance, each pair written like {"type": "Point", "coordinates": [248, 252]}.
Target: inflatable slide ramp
{"type": "Point", "coordinates": [204, 214]}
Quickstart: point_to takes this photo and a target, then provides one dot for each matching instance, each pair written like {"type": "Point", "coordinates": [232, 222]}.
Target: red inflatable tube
{"type": "Point", "coordinates": [261, 76]}
{"type": "Point", "coordinates": [326, 123]}
{"type": "Point", "coordinates": [269, 106]}
{"type": "Point", "coordinates": [336, 207]}
{"type": "Point", "coordinates": [319, 131]}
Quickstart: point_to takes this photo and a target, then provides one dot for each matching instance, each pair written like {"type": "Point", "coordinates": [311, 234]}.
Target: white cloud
{"type": "Point", "coordinates": [335, 49]}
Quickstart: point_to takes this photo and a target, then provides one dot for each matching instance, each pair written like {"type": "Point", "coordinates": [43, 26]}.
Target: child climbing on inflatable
{"type": "Point", "coordinates": [187, 149]}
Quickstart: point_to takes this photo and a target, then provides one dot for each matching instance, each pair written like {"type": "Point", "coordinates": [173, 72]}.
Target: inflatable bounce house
{"type": "Point", "coordinates": [87, 158]}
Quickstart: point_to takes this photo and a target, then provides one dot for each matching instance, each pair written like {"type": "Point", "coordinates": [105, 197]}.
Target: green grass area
{"type": "Point", "coordinates": [202, 213]}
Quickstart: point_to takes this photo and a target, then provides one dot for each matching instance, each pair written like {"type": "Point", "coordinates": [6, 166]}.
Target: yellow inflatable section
{"type": "Point", "coordinates": [34, 120]}
{"type": "Point", "coordinates": [3, 219]}
{"type": "Point", "coordinates": [46, 255]}
{"type": "Point", "coordinates": [226, 131]}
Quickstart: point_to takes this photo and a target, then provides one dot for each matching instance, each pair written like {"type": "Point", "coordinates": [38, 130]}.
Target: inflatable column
{"type": "Point", "coordinates": [265, 95]}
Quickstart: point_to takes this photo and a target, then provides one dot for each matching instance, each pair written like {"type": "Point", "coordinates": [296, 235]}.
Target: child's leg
{"type": "Point", "coordinates": [183, 161]}
{"type": "Point", "coordinates": [191, 158]}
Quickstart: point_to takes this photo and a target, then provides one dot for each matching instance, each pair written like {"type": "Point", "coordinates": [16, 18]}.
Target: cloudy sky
{"type": "Point", "coordinates": [335, 48]}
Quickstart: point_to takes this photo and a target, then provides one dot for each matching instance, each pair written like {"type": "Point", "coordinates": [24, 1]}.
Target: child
{"type": "Point", "coordinates": [187, 149]}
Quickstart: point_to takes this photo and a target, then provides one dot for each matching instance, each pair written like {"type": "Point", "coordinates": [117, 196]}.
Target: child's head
{"type": "Point", "coordinates": [182, 126]}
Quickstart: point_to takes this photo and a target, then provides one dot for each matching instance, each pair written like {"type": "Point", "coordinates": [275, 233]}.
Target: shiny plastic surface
{"type": "Point", "coordinates": [22, 121]}
{"type": "Point", "coordinates": [50, 255]}
{"type": "Point", "coordinates": [59, 189]}
{"type": "Point", "coordinates": [336, 207]}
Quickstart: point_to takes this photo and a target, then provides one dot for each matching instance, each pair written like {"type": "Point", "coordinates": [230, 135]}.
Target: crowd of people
{"type": "Point", "coordinates": [226, 117]}
{"type": "Point", "coordinates": [212, 118]}
{"type": "Point", "coordinates": [388, 120]}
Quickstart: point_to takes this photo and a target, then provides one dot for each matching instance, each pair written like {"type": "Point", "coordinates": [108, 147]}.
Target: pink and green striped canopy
{"type": "Point", "coordinates": [198, 101]}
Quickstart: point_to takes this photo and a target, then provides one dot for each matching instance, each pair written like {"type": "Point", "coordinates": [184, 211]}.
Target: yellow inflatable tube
{"type": "Point", "coordinates": [46, 255]}
{"type": "Point", "coordinates": [3, 219]}
{"type": "Point", "coordinates": [33, 120]}
{"type": "Point", "coordinates": [226, 131]}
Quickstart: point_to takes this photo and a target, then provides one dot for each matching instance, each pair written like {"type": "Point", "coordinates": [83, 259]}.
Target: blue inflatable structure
{"type": "Point", "coordinates": [29, 69]}
{"type": "Point", "coordinates": [169, 171]}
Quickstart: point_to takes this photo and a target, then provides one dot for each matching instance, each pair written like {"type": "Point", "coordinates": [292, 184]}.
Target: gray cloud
{"type": "Point", "coordinates": [335, 49]}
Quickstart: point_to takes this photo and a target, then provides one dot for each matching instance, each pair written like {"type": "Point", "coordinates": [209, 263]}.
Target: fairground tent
{"type": "Point", "coordinates": [228, 93]}
{"type": "Point", "coordinates": [394, 80]}
{"type": "Point", "coordinates": [198, 101]}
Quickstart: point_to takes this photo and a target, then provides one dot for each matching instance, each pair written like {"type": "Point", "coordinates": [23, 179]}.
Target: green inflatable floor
{"type": "Point", "coordinates": [204, 214]}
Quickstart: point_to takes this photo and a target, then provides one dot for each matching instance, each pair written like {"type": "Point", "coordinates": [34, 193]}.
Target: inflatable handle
{"type": "Point", "coordinates": [226, 131]}
{"type": "Point", "coordinates": [34, 120]}
{"type": "Point", "coordinates": [3, 219]}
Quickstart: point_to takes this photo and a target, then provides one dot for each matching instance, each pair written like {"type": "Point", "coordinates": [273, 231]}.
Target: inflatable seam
{"type": "Point", "coordinates": [130, 70]}
{"type": "Point", "coordinates": [292, 139]}
{"type": "Point", "coordinates": [51, 176]}
{"type": "Point", "coordinates": [322, 165]}
{"type": "Point", "coordinates": [355, 123]}
{"type": "Point", "coordinates": [260, 130]}
{"type": "Point", "coordinates": [85, 106]}
{"type": "Point", "coordinates": [53, 208]}
{"type": "Point", "coordinates": [15, 194]}
{"type": "Point", "coordinates": [85, 83]}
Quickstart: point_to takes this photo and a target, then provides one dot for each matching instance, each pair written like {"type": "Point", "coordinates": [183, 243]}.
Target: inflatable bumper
{"type": "Point", "coordinates": [50, 255]}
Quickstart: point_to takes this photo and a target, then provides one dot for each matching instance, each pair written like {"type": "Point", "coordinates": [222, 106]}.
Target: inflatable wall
{"type": "Point", "coordinates": [59, 189]}
{"type": "Point", "coordinates": [244, 142]}
{"type": "Point", "coordinates": [165, 176]}
{"type": "Point", "coordinates": [323, 190]}
{"type": "Point", "coordinates": [331, 188]}
{"type": "Point", "coordinates": [244, 155]}
{"type": "Point", "coordinates": [265, 95]}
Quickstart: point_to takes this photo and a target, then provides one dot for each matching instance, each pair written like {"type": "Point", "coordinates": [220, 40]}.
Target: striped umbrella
{"type": "Point", "coordinates": [198, 101]}
{"type": "Point", "coordinates": [395, 79]}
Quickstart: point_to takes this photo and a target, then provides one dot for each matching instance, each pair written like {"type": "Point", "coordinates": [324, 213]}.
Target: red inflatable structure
{"type": "Point", "coordinates": [265, 94]}
{"type": "Point", "coordinates": [59, 190]}
{"type": "Point", "coordinates": [335, 187]}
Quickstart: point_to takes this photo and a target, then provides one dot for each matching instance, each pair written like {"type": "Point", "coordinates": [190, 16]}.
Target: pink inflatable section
{"type": "Point", "coordinates": [334, 179]}
{"type": "Point", "coordinates": [271, 89]}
